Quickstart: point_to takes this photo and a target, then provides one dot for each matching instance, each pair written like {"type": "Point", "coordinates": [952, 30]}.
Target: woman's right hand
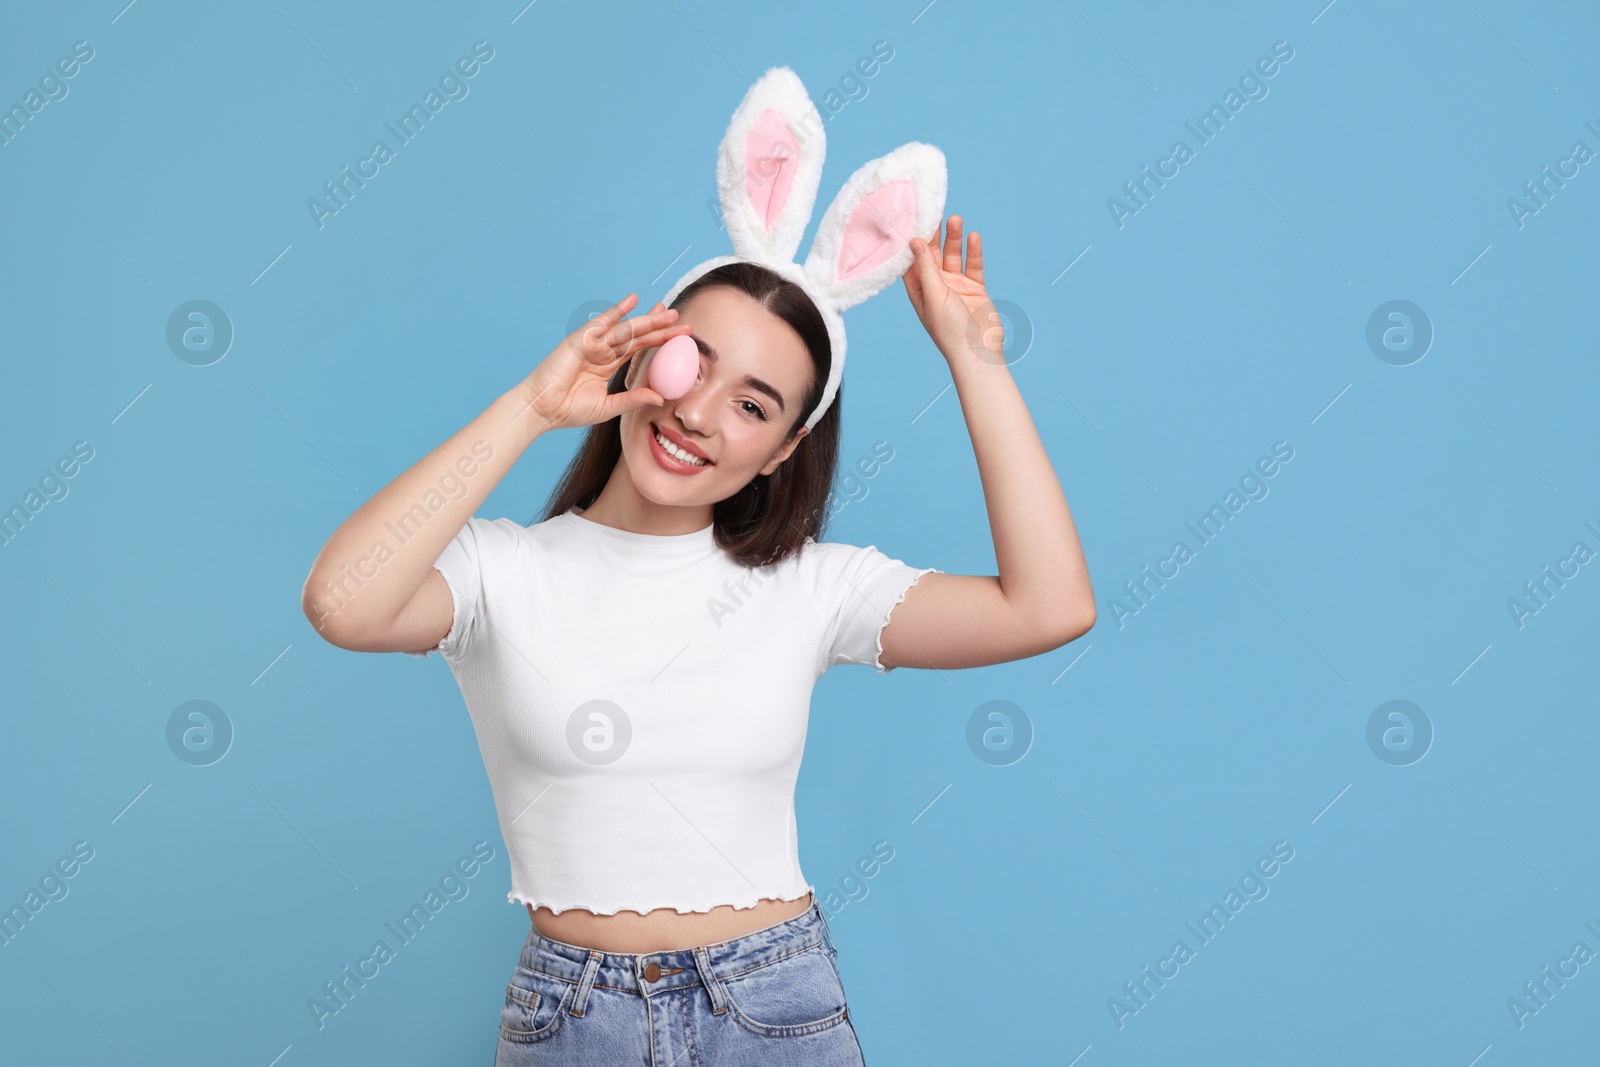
{"type": "Point", "coordinates": [569, 387]}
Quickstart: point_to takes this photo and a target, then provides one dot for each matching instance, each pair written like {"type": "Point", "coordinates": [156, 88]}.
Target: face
{"type": "Point", "coordinates": [754, 372]}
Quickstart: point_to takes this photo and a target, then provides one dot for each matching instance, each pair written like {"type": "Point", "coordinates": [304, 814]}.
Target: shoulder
{"type": "Point", "coordinates": [506, 528]}
{"type": "Point", "coordinates": [821, 559]}
{"type": "Point", "coordinates": [504, 539]}
{"type": "Point", "coordinates": [831, 567]}
{"type": "Point", "coordinates": [503, 533]}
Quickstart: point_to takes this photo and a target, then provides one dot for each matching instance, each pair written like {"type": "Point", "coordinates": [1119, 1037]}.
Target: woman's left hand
{"type": "Point", "coordinates": [952, 303]}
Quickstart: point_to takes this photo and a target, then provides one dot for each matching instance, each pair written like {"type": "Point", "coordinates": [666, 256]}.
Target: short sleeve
{"type": "Point", "coordinates": [855, 591]}
{"type": "Point", "coordinates": [469, 564]}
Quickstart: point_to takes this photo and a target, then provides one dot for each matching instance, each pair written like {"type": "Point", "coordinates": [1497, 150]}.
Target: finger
{"type": "Point", "coordinates": [654, 323]}
{"type": "Point", "coordinates": [621, 403]}
{"type": "Point", "coordinates": [652, 338]}
{"type": "Point", "coordinates": [952, 244]}
{"type": "Point", "coordinates": [595, 332]}
{"type": "Point", "coordinates": [975, 257]}
{"type": "Point", "coordinates": [913, 287]}
{"type": "Point", "coordinates": [620, 334]}
{"type": "Point", "coordinates": [912, 280]}
{"type": "Point", "coordinates": [927, 268]}
{"type": "Point", "coordinates": [608, 318]}
{"type": "Point", "coordinates": [655, 319]}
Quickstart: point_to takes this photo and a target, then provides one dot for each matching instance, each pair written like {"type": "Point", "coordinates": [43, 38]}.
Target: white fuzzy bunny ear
{"type": "Point", "coordinates": [768, 170]}
{"type": "Point", "coordinates": [864, 241]}
{"type": "Point", "coordinates": [769, 166]}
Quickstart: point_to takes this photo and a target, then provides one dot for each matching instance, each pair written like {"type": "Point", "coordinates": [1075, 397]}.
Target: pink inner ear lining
{"type": "Point", "coordinates": [770, 155]}
{"type": "Point", "coordinates": [879, 226]}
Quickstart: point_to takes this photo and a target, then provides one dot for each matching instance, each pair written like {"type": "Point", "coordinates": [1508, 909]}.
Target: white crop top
{"type": "Point", "coordinates": [641, 701]}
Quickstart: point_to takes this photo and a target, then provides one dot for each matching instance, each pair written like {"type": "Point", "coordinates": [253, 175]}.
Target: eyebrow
{"type": "Point", "coordinates": [749, 379]}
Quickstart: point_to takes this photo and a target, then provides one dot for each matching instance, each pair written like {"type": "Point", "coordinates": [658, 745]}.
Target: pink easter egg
{"type": "Point", "coordinates": [675, 366]}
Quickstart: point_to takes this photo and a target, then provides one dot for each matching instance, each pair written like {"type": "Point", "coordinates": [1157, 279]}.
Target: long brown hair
{"type": "Point", "coordinates": [771, 516]}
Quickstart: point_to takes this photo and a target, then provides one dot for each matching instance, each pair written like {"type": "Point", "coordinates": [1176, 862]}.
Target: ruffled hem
{"type": "Point", "coordinates": [877, 660]}
{"type": "Point", "coordinates": [740, 904]}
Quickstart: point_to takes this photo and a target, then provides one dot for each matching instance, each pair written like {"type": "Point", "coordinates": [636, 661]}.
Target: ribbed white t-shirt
{"type": "Point", "coordinates": [641, 702]}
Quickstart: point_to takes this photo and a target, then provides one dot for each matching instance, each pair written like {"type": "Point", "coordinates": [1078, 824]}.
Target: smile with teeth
{"type": "Point", "coordinates": [677, 453]}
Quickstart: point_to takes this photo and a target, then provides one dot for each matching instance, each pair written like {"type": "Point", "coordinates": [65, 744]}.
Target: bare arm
{"type": "Point", "coordinates": [1042, 597]}
{"type": "Point", "coordinates": [379, 559]}
{"type": "Point", "coordinates": [373, 587]}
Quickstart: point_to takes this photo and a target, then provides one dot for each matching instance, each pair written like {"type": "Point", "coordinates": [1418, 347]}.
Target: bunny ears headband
{"type": "Point", "coordinates": [768, 170]}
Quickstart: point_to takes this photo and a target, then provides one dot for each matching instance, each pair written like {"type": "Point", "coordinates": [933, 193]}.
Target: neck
{"type": "Point", "coordinates": [621, 505]}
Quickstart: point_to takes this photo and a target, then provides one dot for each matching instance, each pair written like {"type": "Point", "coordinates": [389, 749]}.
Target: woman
{"type": "Point", "coordinates": [638, 664]}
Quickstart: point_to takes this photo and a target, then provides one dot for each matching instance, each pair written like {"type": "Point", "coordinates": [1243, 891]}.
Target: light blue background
{"type": "Point", "coordinates": [1228, 314]}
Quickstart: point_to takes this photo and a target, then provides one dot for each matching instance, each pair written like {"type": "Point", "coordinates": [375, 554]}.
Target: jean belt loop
{"type": "Point", "coordinates": [536, 944]}
{"type": "Point", "coordinates": [702, 963]}
{"type": "Point", "coordinates": [827, 932]}
{"type": "Point", "coordinates": [580, 1000]}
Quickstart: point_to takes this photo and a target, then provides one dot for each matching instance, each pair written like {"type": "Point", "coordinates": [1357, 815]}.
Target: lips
{"type": "Point", "coordinates": [680, 442]}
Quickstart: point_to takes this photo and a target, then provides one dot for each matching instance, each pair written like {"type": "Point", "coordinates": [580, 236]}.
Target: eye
{"type": "Point", "coordinates": [758, 409]}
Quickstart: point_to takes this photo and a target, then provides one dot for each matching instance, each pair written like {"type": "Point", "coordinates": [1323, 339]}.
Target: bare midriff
{"type": "Point", "coordinates": [663, 929]}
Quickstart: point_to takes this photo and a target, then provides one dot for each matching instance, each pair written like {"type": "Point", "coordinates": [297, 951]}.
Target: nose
{"type": "Point", "coordinates": [692, 408]}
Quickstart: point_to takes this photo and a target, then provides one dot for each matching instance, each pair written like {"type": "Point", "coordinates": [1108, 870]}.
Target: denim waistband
{"type": "Point", "coordinates": [677, 967]}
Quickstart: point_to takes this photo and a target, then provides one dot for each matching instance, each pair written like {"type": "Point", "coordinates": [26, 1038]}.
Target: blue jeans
{"type": "Point", "coordinates": [772, 997]}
